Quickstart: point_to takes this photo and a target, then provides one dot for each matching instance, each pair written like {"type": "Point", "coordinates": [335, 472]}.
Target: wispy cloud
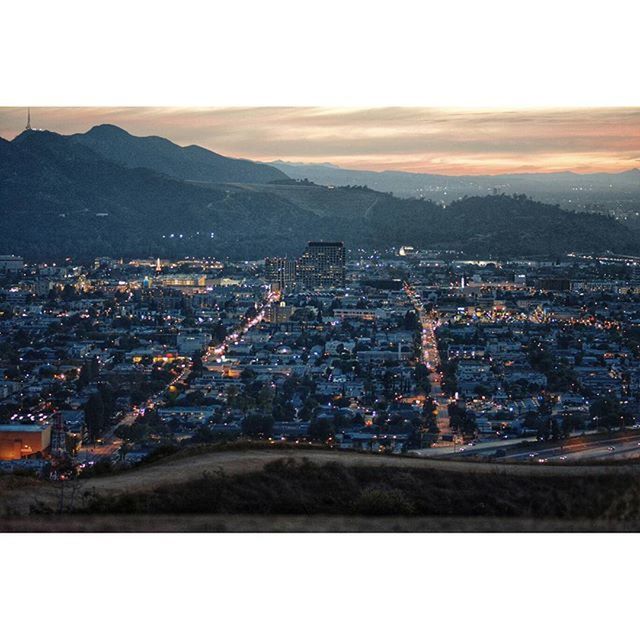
{"type": "Point", "coordinates": [453, 141]}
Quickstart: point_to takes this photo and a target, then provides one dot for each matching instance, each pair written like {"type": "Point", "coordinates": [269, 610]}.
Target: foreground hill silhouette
{"type": "Point", "coordinates": [274, 487]}
{"type": "Point", "coordinates": [62, 196]}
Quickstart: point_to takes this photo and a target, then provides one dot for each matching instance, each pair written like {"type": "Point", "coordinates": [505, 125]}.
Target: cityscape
{"type": "Point", "coordinates": [314, 361]}
{"type": "Point", "coordinates": [319, 321]}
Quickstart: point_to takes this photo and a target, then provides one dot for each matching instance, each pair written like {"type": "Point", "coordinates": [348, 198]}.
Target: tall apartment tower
{"type": "Point", "coordinates": [322, 265]}
{"type": "Point", "coordinates": [281, 272]}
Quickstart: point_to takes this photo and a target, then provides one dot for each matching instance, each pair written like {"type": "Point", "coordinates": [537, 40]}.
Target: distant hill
{"type": "Point", "coordinates": [60, 197]}
{"type": "Point", "coordinates": [346, 202]}
{"type": "Point", "coordinates": [573, 190]}
{"type": "Point", "coordinates": [192, 163]}
{"type": "Point", "coordinates": [500, 226]}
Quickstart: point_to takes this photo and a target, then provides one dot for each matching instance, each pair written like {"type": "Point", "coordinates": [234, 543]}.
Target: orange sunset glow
{"type": "Point", "coordinates": [446, 141]}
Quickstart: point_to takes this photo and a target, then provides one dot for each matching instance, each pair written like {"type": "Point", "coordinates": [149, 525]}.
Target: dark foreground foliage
{"type": "Point", "coordinates": [287, 487]}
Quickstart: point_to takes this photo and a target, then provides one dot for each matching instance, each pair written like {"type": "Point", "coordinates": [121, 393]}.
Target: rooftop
{"type": "Point", "coordinates": [17, 428]}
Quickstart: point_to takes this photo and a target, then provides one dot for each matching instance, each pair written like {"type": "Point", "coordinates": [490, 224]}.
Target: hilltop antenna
{"type": "Point", "coordinates": [28, 127]}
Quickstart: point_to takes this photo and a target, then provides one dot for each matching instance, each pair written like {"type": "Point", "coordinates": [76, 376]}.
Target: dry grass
{"type": "Point", "coordinates": [207, 523]}
{"type": "Point", "coordinates": [179, 469]}
{"type": "Point", "coordinates": [21, 496]}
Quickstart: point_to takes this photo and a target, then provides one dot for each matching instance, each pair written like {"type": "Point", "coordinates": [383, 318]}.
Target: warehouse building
{"type": "Point", "coordinates": [23, 440]}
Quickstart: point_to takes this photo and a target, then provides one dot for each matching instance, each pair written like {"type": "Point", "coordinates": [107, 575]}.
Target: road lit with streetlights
{"type": "Point", "coordinates": [431, 358]}
{"type": "Point", "coordinates": [216, 352]}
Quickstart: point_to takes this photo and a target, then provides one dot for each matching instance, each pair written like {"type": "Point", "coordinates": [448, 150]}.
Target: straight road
{"type": "Point", "coordinates": [110, 444]}
{"type": "Point", "coordinates": [220, 349]}
{"type": "Point", "coordinates": [431, 358]}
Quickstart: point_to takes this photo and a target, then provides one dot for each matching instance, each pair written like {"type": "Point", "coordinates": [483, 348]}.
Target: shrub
{"type": "Point", "coordinates": [381, 500]}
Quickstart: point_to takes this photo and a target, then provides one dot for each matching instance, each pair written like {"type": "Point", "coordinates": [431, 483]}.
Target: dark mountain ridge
{"type": "Point", "coordinates": [163, 156]}
{"type": "Point", "coordinates": [60, 197]}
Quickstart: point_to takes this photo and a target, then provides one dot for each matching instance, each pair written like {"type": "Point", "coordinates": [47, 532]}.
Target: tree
{"type": "Point", "coordinates": [607, 413]}
{"type": "Point", "coordinates": [83, 377]}
{"type": "Point", "coordinates": [430, 411]}
{"type": "Point", "coordinates": [482, 390]}
{"type": "Point", "coordinates": [247, 375]}
{"type": "Point", "coordinates": [321, 429]}
{"type": "Point", "coordinates": [469, 427]}
{"type": "Point", "coordinates": [257, 425]}
{"type": "Point", "coordinates": [544, 428]}
{"type": "Point", "coordinates": [421, 372]}
{"type": "Point", "coordinates": [572, 422]}
{"type": "Point", "coordinates": [203, 435]}
{"type": "Point", "coordinates": [461, 420]}
{"type": "Point", "coordinates": [307, 409]}
{"type": "Point", "coordinates": [250, 313]}
{"type": "Point", "coordinates": [94, 416]}
{"type": "Point", "coordinates": [108, 399]}
{"type": "Point", "coordinates": [219, 333]}
{"type": "Point", "coordinates": [284, 411]}
{"type": "Point", "coordinates": [530, 420]}
{"type": "Point", "coordinates": [411, 321]}
{"type": "Point", "coordinates": [196, 363]}
{"type": "Point", "coordinates": [358, 420]}
{"type": "Point", "coordinates": [264, 399]}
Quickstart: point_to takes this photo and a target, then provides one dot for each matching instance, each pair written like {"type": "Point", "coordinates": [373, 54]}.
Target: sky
{"type": "Point", "coordinates": [431, 140]}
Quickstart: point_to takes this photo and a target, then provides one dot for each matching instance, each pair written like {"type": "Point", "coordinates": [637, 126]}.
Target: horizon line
{"type": "Point", "coordinates": [337, 166]}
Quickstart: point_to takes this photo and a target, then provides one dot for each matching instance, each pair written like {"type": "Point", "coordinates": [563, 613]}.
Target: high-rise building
{"type": "Point", "coordinates": [322, 265]}
{"type": "Point", "coordinates": [281, 272]}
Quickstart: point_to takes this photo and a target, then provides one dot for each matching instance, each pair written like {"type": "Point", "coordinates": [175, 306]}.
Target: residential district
{"type": "Point", "coordinates": [111, 364]}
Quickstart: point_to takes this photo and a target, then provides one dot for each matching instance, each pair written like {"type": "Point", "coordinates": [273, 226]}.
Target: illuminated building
{"type": "Point", "coordinates": [183, 280]}
{"type": "Point", "coordinates": [357, 314]}
{"type": "Point", "coordinates": [22, 440]}
{"type": "Point", "coordinates": [322, 265]}
{"type": "Point", "coordinates": [281, 272]}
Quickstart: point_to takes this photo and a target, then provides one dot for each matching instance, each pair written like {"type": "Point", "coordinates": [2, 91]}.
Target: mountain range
{"type": "Point", "coordinates": [574, 190]}
{"type": "Point", "coordinates": [192, 163]}
{"type": "Point", "coordinates": [107, 192]}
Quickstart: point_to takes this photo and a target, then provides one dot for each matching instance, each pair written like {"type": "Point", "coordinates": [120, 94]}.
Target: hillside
{"type": "Point", "coordinates": [567, 188]}
{"type": "Point", "coordinates": [346, 202]}
{"type": "Point", "coordinates": [54, 190]}
{"type": "Point", "coordinates": [499, 226]}
{"type": "Point", "coordinates": [311, 489]}
{"type": "Point", "coordinates": [59, 197]}
{"type": "Point", "coordinates": [191, 163]}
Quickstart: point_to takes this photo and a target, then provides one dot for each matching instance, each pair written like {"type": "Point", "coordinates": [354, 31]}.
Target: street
{"type": "Point", "coordinates": [623, 446]}
{"type": "Point", "coordinates": [109, 444]}
{"type": "Point", "coordinates": [431, 358]}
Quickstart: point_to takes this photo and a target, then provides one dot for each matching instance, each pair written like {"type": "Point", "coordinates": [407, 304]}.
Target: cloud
{"type": "Point", "coordinates": [430, 140]}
